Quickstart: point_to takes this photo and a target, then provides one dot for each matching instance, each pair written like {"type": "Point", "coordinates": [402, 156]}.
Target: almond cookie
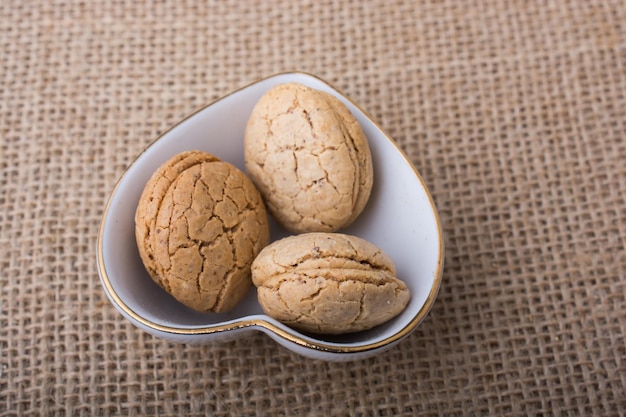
{"type": "Point", "coordinates": [199, 224]}
{"type": "Point", "coordinates": [328, 283]}
{"type": "Point", "coordinates": [308, 156]}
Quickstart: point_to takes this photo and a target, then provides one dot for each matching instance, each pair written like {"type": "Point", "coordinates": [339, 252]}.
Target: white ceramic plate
{"type": "Point", "coordinates": [400, 218]}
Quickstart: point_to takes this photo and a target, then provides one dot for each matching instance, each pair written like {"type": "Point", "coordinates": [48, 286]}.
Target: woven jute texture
{"type": "Point", "coordinates": [513, 112]}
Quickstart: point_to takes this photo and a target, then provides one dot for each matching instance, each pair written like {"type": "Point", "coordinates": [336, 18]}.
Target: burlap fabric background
{"type": "Point", "coordinates": [514, 113]}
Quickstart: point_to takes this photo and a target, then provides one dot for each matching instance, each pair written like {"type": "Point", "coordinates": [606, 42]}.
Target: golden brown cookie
{"type": "Point", "coordinates": [308, 156]}
{"type": "Point", "coordinates": [199, 224]}
{"type": "Point", "coordinates": [328, 283]}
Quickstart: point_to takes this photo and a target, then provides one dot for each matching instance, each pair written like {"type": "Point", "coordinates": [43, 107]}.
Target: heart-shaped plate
{"type": "Point", "coordinates": [400, 218]}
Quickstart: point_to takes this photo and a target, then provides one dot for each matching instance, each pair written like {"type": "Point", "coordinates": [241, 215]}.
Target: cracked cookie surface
{"type": "Point", "coordinates": [199, 224]}
{"type": "Point", "coordinates": [328, 283]}
{"type": "Point", "coordinates": [309, 158]}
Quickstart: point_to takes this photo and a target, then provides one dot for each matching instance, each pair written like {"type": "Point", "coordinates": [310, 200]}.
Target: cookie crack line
{"type": "Point", "coordinates": [327, 178]}
{"type": "Point", "coordinates": [307, 117]}
{"type": "Point", "coordinates": [313, 296]}
{"type": "Point", "coordinates": [294, 105]}
{"type": "Point", "coordinates": [318, 255]}
{"type": "Point", "coordinates": [269, 121]}
{"type": "Point", "coordinates": [374, 278]}
{"type": "Point", "coordinates": [230, 273]}
{"type": "Point", "coordinates": [220, 294]}
{"type": "Point", "coordinates": [268, 126]}
{"type": "Point", "coordinates": [361, 307]}
{"type": "Point", "coordinates": [354, 157]}
{"type": "Point", "coordinates": [201, 271]}
{"type": "Point", "coordinates": [285, 305]}
{"type": "Point", "coordinates": [353, 149]}
{"type": "Point", "coordinates": [365, 275]}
